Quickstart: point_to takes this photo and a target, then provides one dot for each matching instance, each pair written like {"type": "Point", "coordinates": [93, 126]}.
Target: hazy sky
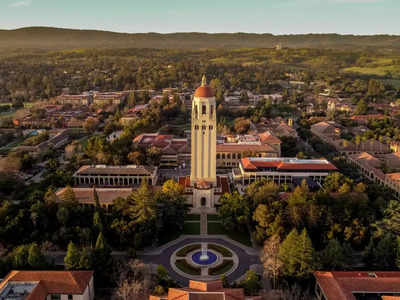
{"type": "Point", "coordinates": [273, 16]}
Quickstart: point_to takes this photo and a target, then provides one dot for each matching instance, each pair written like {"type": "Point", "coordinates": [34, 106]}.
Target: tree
{"type": "Point", "coordinates": [68, 195]}
{"type": "Point", "coordinates": [333, 257]}
{"type": "Point", "coordinates": [270, 259]}
{"type": "Point", "coordinates": [86, 260]}
{"type": "Point", "coordinates": [143, 209]}
{"type": "Point", "coordinates": [50, 196]}
{"type": "Point", "coordinates": [20, 256]}
{"type": "Point", "coordinates": [297, 254]}
{"type": "Point", "coordinates": [97, 222]}
{"type": "Point", "coordinates": [91, 124]}
{"type": "Point", "coordinates": [35, 256]}
{"type": "Point", "coordinates": [361, 108]}
{"type": "Point", "coordinates": [96, 198]}
{"type": "Point", "coordinates": [172, 188]}
{"type": "Point", "coordinates": [251, 283]}
{"type": "Point", "coordinates": [136, 157]}
{"type": "Point", "coordinates": [72, 259]}
{"type": "Point", "coordinates": [241, 125]}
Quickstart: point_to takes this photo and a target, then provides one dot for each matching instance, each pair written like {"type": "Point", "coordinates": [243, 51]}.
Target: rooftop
{"type": "Point", "coordinates": [286, 163]}
{"type": "Point", "coordinates": [38, 284]}
{"type": "Point", "coordinates": [115, 170]}
{"type": "Point", "coordinates": [343, 285]}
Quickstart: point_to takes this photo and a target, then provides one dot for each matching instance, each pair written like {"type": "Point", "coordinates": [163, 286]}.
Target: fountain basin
{"type": "Point", "coordinates": [199, 258]}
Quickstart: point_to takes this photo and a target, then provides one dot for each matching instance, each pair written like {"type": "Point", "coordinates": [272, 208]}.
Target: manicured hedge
{"type": "Point", "coordinates": [186, 268]}
{"type": "Point", "coordinates": [185, 250]}
{"type": "Point", "coordinates": [222, 268]}
{"type": "Point", "coordinates": [220, 249]}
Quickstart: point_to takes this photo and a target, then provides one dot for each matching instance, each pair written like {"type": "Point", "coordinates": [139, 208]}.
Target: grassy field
{"type": "Point", "coordinates": [191, 228]}
{"type": "Point", "coordinates": [378, 67]}
{"type": "Point", "coordinates": [241, 237]}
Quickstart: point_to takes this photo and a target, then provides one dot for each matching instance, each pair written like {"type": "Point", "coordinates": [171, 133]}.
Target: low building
{"type": "Point", "coordinates": [102, 175]}
{"type": "Point", "coordinates": [365, 119]}
{"type": "Point", "coordinates": [110, 98]}
{"type": "Point", "coordinates": [205, 290]}
{"type": "Point", "coordinates": [204, 191]}
{"type": "Point", "coordinates": [229, 154]}
{"type": "Point", "coordinates": [368, 165]}
{"type": "Point", "coordinates": [45, 285]}
{"type": "Point", "coordinates": [356, 285]}
{"type": "Point", "coordinates": [114, 136]}
{"type": "Point", "coordinates": [84, 99]}
{"type": "Point", "coordinates": [281, 170]}
{"type": "Point", "coordinates": [86, 195]}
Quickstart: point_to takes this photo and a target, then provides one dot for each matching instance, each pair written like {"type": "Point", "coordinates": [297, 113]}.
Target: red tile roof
{"type": "Point", "coordinates": [254, 164]}
{"type": "Point", "coordinates": [267, 137]}
{"type": "Point", "coordinates": [204, 92]}
{"type": "Point", "coordinates": [342, 285]}
{"type": "Point", "coordinates": [51, 282]}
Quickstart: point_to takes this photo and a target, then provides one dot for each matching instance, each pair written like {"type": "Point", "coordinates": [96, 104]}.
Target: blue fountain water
{"type": "Point", "coordinates": [211, 258]}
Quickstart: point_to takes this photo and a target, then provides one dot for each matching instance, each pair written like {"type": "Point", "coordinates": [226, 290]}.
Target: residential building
{"type": "Point", "coordinates": [364, 119]}
{"type": "Point", "coordinates": [47, 285]}
{"type": "Point", "coordinates": [117, 176]}
{"type": "Point", "coordinates": [281, 170]}
{"type": "Point", "coordinates": [356, 285]}
{"type": "Point", "coordinates": [205, 290]}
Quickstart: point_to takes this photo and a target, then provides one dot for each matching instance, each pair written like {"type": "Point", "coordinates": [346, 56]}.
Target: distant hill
{"type": "Point", "coordinates": [57, 38]}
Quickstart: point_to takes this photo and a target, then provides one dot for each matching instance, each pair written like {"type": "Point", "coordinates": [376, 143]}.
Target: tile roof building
{"type": "Point", "coordinates": [116, 176]}
{"type": "Point", "coordinates": [211, 290]}
{"type": "Point", "coordinates": [281, 170]}
{"type": "Point", "coordinates": [356, 285]}
{"type": "Point", "coordinates": [43, 285]}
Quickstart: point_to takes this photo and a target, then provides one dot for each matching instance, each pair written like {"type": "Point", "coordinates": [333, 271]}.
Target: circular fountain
{"type": "Point", "coordinates": [204, 258]}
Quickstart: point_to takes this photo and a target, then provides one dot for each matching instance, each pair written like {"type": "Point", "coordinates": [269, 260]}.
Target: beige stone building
{"type": "Point", "coordinates": [117, 176]}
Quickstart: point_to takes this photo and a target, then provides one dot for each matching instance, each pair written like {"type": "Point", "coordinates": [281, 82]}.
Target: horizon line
{"type": "Point", "coordinates": [202, 32]}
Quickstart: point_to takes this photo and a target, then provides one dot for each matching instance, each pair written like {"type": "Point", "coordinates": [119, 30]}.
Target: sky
{"type": "Point", "coordinates": [164, 16]}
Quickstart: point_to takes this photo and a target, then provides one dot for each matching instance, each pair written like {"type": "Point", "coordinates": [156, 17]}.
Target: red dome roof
{"type": "Point", "coordinates": [204, 92]}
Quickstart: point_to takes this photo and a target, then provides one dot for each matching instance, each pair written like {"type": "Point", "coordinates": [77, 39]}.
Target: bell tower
{"type": "Point", "coordinates": [204, 136]}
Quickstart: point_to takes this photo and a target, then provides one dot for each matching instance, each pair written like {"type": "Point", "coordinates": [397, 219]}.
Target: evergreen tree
{"type": "Point", "coordinates": [305, 254]}
{"type": "Point", "coordinates": [96, 199]}
{"type": "Point", "coordinates": [97, 222]}
{"type": "Point", "coordinates": [287, 253]}
{"type": "Point", "coordinates": [86, 260]}
{"type": "Point", "coordinates": [20, 256]}
{"type": "Point", "coordinates": [72, 258]}
{"type": "Point", "coordinates": [333, 257]}
{"type": "Point", "coordinates": [35, 256]}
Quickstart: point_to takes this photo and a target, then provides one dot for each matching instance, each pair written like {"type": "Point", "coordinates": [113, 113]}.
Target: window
{"type": "Point", "coordinates": [228, 156]}
{"type": "Point", "coordinates": [196, 127]}
{"type": "Point", "coordinates": [210, 127]}
{"type": "Point", "coordinates": [196, 111]}
{"type": "Point", "coordinates": [55, 297]}
{"type": "Point", "coordinates": [218, 156]}
{"type": "Point", "coordinates": [204, 127]}
{"type": "Point", "coordinates": [239, 155]}
{"type": "Point", "coordinates": [203, 109]}
{"type": "Point", "coordinates": [233, 155]}
{"type": "Point", "coordinates": [211, 110]}
{"type": "Point", "coordinates": [70, 297]}
{"type": "Point", "coordinates": [223, 155]}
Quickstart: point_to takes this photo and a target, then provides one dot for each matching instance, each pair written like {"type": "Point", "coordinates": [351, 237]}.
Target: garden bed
{"type": "Point", "coordinates": [185, 250]}
{"type": "Point", "coordinates": [182, 265]}
{"type": "Point", "coordinates": [222, 250]}
{"type": "Point", "coordinates": [224, 267]}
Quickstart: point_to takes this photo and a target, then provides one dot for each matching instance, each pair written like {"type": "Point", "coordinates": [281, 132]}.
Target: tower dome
{"type": "Point", "coordinates": [204, 91]}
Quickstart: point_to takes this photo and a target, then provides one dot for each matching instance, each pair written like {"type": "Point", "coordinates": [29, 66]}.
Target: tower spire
{"type": "Point", "coordinates": [204, 80]}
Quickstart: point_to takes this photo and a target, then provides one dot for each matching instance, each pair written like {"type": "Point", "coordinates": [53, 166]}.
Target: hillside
{"type": "Point", "coordinates": [57, 38]}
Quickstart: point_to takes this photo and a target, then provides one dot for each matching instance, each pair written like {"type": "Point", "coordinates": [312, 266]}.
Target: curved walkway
{"type": "Point", "coordinates": [161, 256]}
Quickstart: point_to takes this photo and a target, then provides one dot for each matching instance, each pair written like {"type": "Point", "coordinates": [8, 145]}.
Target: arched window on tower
{"type": "Point", "coordinates": [203, 109]}
{"type": "Point", "coordinates": [196, 111]}
{"type": "Point", "coordinates": [211, 110]}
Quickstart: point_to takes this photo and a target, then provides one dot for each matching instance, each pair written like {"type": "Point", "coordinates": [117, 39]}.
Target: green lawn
{"type": "Point", "coordinates": [185, 250]}
{"type": "Point", "coordinates": [191, 217]}
{"type": "Point", "coordinates": [213, 217]}
{"type": "Point", "coordinates": [241, 237]}
{"type": "Point", "coordinates": [191, 228]}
